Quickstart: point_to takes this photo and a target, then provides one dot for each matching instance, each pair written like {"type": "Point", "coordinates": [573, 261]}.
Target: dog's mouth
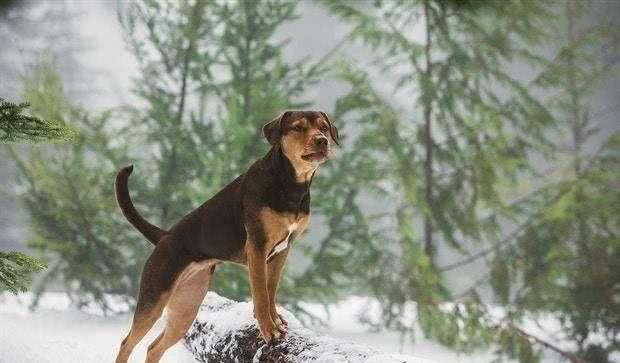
{"type": "Point", "coordinates": [316, 156]}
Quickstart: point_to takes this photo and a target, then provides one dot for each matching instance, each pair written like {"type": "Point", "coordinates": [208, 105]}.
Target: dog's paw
{"type": "Point", "coordinates": [281, 319]}
{"type": "Point", "coordinates": [281, 324]}
{"type": "Point", "coordinates": [270, 332]}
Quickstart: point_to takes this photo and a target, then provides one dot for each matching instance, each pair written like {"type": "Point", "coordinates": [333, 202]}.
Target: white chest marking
{"type": "Point", "coordinates": [282, 245]}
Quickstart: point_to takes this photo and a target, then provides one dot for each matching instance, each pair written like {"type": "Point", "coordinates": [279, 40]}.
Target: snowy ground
{"type": "Point", "coordinates": [56, 332]}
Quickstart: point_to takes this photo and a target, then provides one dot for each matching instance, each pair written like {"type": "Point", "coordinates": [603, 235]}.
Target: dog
{"type": "Point", "coordinates": [251, 221]}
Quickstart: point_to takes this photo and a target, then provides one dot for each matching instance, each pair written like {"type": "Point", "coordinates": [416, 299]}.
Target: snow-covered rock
{"type": "Point", "coordinates": [225, 331]}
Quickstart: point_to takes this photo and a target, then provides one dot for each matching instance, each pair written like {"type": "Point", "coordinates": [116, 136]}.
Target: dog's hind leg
{"type": "Point", "coordinates": [188, 293]}
{"type": "Point", "coordinates": [143, 321]}
{"type": "Point", "coordinates": [155, 287]}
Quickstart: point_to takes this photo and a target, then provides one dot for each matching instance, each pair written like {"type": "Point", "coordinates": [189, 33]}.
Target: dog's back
{"type": "Point", "coordinates": [215, 229]}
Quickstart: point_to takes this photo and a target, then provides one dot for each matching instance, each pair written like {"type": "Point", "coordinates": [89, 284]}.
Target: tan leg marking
{"type": "Point", "coordinates": [155, 285]}
{"type": "Point", "coordinates": [143, 321]}
{"type": "Point", "coordinates": [274, 271]}
{"type": "Point", "coordinates": [189, 291]}
{"type": "Point", "coordinates": [258, 285]}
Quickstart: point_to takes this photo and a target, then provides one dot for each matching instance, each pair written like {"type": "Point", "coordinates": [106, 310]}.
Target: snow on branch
{"type": "Point", "coordinates": [225, 331]}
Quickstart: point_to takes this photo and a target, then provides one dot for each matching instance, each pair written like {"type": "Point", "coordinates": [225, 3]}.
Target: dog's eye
{"type": "Point", "coordinates": [323, 128]}
{"type": "Point", "coordinates": [298, 128]}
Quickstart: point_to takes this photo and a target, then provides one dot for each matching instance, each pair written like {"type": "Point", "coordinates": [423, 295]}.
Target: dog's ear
{"type": "Point", "coordinates": [273, 129]}
{"type": "Point", "coordinates": [333, 131]}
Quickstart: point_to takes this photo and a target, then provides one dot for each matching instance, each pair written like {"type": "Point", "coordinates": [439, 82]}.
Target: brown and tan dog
{"type": "Point", "coordinates": [251, 222]}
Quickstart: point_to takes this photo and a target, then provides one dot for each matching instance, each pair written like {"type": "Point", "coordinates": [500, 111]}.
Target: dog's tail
{"type": "Point", "coordinates": [151, 232]}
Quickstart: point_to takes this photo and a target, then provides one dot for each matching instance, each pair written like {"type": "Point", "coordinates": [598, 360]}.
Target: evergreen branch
{"type": "Point", "coordinates": [528, 336]}
{"type": "Point", "coordinates": [506, 325]}
{"type": "Point", "coordinates": [15, 270]}
{"type": "Point", "coordinates": [156, 41]}
{"type": "Point", "coordinates": [86, 226]}
{"type": "Point", "coordinates": [39, 289]}
{"type": "Point", "coordinates": [506, 240]}
{"type": "Point", "coordinates": [17, 126]}
{"type": "Point", "coordinates": [369, 28]}
{"type": "Point", "coordinates": [334, 223]}
{"type": "Point", "coordinates": [515, 233]}
{"type": "Point", "coordinates": [21, 166]}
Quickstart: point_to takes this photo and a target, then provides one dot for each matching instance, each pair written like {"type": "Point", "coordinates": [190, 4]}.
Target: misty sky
{"type": "Point", "coordinates": [107, 67]}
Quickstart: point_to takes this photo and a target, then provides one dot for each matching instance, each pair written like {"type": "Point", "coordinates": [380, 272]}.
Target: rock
{"type": "Point", "coordinates": [225, 331]}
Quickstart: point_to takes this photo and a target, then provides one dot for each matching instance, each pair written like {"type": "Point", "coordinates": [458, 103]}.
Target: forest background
{"type": "Point", "coordinates": [476, 190]}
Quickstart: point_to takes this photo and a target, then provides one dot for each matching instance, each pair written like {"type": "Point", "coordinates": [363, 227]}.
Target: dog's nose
{"type": "Point", "coordinates": [320, 141]}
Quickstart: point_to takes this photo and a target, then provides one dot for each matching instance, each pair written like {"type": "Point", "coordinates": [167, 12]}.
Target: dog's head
{"type": "Point", "coordinates": [305, 137]}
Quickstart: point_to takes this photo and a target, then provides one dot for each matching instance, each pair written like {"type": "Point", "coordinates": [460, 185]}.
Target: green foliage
{"type": "Point", "coordinates": [16, 269]}
{"type": "Point", "coordinates": [18, 126]}
{"type": "Point", "coordinates": [479, 135]}
{"type": "Point", "coordinates": [563, 263]}
{"type": "Point", "coordinates": [67, 191]}
{"type": "Point", "coordinates": [463, 130]}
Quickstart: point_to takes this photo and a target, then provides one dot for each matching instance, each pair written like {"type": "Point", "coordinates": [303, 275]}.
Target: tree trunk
{"type": "Point", "coordinates": [226, 332]}
{"type": "Point", "coordinates": [429, 247]}
{"type": "Point", "coordinates": [579, 124]}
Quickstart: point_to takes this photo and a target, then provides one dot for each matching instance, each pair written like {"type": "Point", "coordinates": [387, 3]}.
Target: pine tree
{"type": "Point", "coordinates": [16, 126]}
{"type": "Point", "coordinates": [67, 193]}
{"type": "Point", "coordinates": [446, 153]}
{"type": "Point", "coordinates": [564, 261]}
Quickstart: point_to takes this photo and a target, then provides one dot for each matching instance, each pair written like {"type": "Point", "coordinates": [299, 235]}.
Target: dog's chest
{"type": "Point", "coordinates": [292, 230]}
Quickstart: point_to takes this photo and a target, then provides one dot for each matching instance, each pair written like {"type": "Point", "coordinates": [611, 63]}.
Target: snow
{"type": "Point", "coordinates": [223, 326]}
{"type": "Point", "coordinates": [58, 332]}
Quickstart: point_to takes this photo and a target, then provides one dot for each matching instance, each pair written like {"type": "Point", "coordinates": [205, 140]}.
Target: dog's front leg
{"type": "Point", "coordinates": [274, 271]}
{"type": "Point", "coordinates": [258, 285]}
